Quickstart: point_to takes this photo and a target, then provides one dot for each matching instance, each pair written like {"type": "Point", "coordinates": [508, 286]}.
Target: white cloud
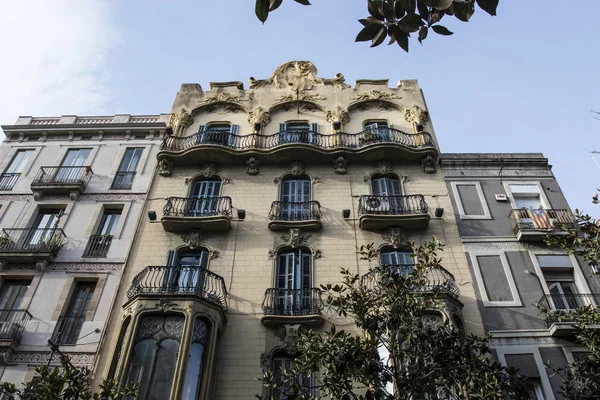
{"type": "Point", "coordinates": [54, 57]}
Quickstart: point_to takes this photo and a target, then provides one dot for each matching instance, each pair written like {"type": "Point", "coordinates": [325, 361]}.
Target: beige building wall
{"type": "Point", "coordinates": [242, 255]}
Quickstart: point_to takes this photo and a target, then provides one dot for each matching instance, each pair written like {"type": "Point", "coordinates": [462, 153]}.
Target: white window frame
{"type": "Point", "coordinates": [543, 198]}
{"type": "Point", "coordinates": [580, 282]}
{"type": "Point", "coordinates": [546, 387]}
{"type": "Point", "coordinates": [516, 302]}
{"type": "Point", "coordinates": [461, 211]}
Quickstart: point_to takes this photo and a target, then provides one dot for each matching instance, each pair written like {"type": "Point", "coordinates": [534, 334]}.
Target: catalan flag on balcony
{"type": "Point", "coordinates": [540, 218]}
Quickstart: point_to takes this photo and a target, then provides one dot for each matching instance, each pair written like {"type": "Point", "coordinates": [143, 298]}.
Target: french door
{"type": "Point", "coordinates": [205, 198]}
{"type": "Point", "coordinates": [389, 192]}
{"type": "Point", "coordinates": [44, 228]}
{"type": "Point", "coordinates": [293, 282]}
{"type": "Point", "coordinates": [399, 261]}
{"type": "Point", "coordinates": [564, 296]}
{"type": "Point", "coordinates": [295, 198]}
{"type": "Point", "coordinates": [381, 129]}
{"type": "Point", "coordinates": [71, 167]}
{"type": "Point", "coordinates": [188, 272]}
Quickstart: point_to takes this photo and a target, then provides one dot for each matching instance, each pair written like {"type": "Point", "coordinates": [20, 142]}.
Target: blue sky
{"type": "Point", "coordinates": [524, 81]}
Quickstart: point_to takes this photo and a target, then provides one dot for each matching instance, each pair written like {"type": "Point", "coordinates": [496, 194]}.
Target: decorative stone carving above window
{"type": "Point", "coordinates": [165, 167]}
{"type": "Point", "coordinates": [209, 170]}
{"type": "Point", "coordinates": [259, 115]}
{"type": "Point", "coordinates": [395, 237]}
{"type": "Point", "coordinates": [384, 167]}
{"type": "Point", "coordinates": [253, 166]}
{"type": "Point", "coordinates": [340, 165]}
{"type": "Point", "coordinates": [428, 164]}
{"type": "Point", "coordinates": [374, 94]}
{"type": "Point", "coordinates": [181, 118]}
{"type": "Point", "coordinates": [295, 237]}
{"type": "Point", "coordinates": [224, 97]}
{"type": "Point", "coordinates": [194, 240]}
{"type": "Point", "coordinates": [338, 114]}
{"type": "Point", "coordinates": [289, 335]}
{"type": "Point", "coordinates": [300, 96]}
{"type": "Point", "coordinates": [416, 115]}
{"type": "Point", "coordinates": [296, 168]}
{"type": "Point", "coordinates": [297, 76]}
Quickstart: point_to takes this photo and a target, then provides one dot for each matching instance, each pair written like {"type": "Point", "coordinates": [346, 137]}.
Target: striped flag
{"type": "Point", "coordinates": [540, 218]}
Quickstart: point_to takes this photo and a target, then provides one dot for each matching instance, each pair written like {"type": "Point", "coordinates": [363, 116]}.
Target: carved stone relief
{"type": "Point", "coordinates": [395, 237]}
{"type": "Point", "coordinates": [338, 114]}
{"type": "Point", "coordinates": [259, 115]}
{"type": "Point", "coordinates": [289, 335]}
{"type": "Point", "coordinates": [295, 237]}
{"type": "Point", "coordinates": [428, 164]}
{"type": "Point", "coordinates": [181, 118]}
{"type": "Point", "coordinates": [300, 96]}
{"type": "Point", "coordinates": [296, 168]}
{"type": "Point", "coordinates": [208, 170]}
{"type": "Point", "coordinates": [194, 239]}
{"type": "Point", "coordinates": [165, 305]}
{"type": "Point", "coordinates": [165, 167]}
{"type": "Point", "coordinates": [416, 115]}
{"type": "Point", "coordinates": [408, 85]}
{"type": "Point", "coordinates": [253, 166]}
{"type": "Point", "coordinates": [297, 76]}
{"type": "Point", "coordinates": [384, 167]}
{"type": "Point", "coordinates": [340, 165]}
{"type": "Point", "coordinates": [375, 95]}
{"type": "Point", "coordinates": [224, 97]}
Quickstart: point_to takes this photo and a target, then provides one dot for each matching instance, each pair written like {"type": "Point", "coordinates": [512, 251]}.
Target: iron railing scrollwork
{"type": "Point", "coordinates": [8, 180]}
{"type": "Point", "coordinates": [68, 329]}
{"type": "Point", "coordinates": [32, 240]}
{"type": "Point", "coordinates": [98, 246]}
{"type": "Point", "coordinates": [12, 323]}
{"type": "Point", "coordinates": [197, 206]}
{"type": "Point", "coordinates": [295, 211]}
{"type": "Point", "coordinates": [123, 180]}
{"type": "Point", "coordinates": [292, 302]}
{"type": "Point", "coordinates": [304, 137]}
{"type": "Point", "coordinates": [392, 205]}
{"type": "Point", "coordinates": [439, 279]}
{"type": "Point", "coordinates": [558, 306]}
{"type": "Point", "coordinates": [194, 280]}
{"type": "Point", "coordinates": [544, 220]}
{"type": "Point", "coordinates": [63, 176]}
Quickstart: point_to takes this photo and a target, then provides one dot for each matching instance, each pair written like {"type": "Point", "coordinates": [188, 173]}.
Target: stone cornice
{"type": "Point", "coordinates": [491, 160]}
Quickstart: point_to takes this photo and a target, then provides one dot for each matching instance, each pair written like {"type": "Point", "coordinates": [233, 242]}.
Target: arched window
{"type": "Point", "coordinates": [298, 132]}
{"type": "Point", "coordinates": [196, 360]}
{"type": "Point", "coordinates": [294, 282]}
{"type": "Point", "coordinates": [400, 262]}
{"type": "Point", "coordinates": [295, 198]}
{"type": "Point", "coordinates": [204, 197]}
{"type": "Point", "coordinates": [154, 356]}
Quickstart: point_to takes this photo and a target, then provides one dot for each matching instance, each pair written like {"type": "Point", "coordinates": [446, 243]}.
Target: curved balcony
{"type": "Point", "coordinates": [557, 308]}
{"type": "Point", "coordinates": [292, 306]}
{"type": "Point", "coordinates": [438, 279]}
{"type": "Point", "coordinates": [161, 281]}
{"type": "Point", "coordinates": [380, 212]}
{"type": "Point", "coordinates": [61, 180]}
{"type": "Point", "coordinates": [182, 214]}
{"type": "Point", "coordinates": [535, 225]}
{"type": "Point", "coordinates": [30, 245]}
{"type": "Point", "coordinates": [302, 214]}
{"type": "Point", "coordinates": [292, 145]}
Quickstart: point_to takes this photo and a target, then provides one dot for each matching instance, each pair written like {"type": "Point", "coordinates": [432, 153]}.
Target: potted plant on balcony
{"type": "Point", "coordinates": [369, 137]}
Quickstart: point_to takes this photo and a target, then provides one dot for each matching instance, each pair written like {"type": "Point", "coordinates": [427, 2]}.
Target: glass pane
{"type": "Point", "coordinates": [19, 161]}
{"type": "Point", "coordinates": [12, 293]}
{"type": "Point", "coordinates": [109, 223]}
{"type": "Point", "coordinates": [130, 160]}
{"type": "Point", "coordinates": [549, 261]}
{"type": "Point", "coordinates": [164, 370]}
{"type": "Point", "coordinates": [140, 369]}
{"type": "Point", "coordinates": [193, 376]}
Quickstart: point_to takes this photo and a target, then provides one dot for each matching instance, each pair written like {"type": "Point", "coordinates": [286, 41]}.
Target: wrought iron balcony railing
{"type": "Point", "coordinates": [122, 180]}
{"type": "Point", "coordinates": [67, 329]}
{"type": "Point", "coordinates": [32, 240]}
{"type": "Point", "coordinates": [392, 205]}
{"type": "Point", "coordinates": [8, 180]}
{"type": "Point", "coordinates": [295, 211]}
{"type": "Point", "coordinates": [543, 220]}
{"type": "Point", "coordinates": [438, 279]}
{"type": "Point", "coordinates": [292, 302]}
{"type": "Point", "coordinates": [197, 206]}
{"type": "Point", "coordinates": [98, 246]}
{"type": "Point", "coordinates": [556, 305]}
{"type": "Point", "coordinates": [12, 323]}
{"type": "Point", "coordinates": [194, 280]}
{"type": "Point", "coordinates": [56, 176]}
{"type": "Point", "coordinates": [332, 141]}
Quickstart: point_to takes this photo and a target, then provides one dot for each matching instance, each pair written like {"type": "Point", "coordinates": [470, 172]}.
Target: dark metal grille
{"type": "Point", "coordinates": [98, 246]}
{"type": "Point", "coordinates": [292, 302]}
{"type": "Point", "coordinates": [392, 205]}
{"type": "Point", "coordinates": [295, 211]}
{"type": "Point", "coordinates": [123, 180]}
{"type": "Point", "coordinates": [194, 280]}
{"type": "Point", "coordinates": [32, 240]}
{"type": "Point", "coordinates": [63, 176]}
{"type": "Point", "coordinates": [12, 323]}
{"type": "Point", "coordinates": [8, 180]}
{"type": "Point", "coordinates": [438, 279]}
{"type": "Point", "coordinates": [551, 220]}
{"type": "Point", "coordinates": [293, 136]}
{"type": "Point", "coordinates": [559, 304]}
{"type": "Point", "coordinates": [197, 206]}
{"type": "Point", "coordinates": [68, 329]}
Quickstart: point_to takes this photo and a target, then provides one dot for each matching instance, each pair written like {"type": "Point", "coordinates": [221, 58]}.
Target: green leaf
{"type": "Point", "coordinates": [442, 4]}
{"type": "Point", "coordinates": [441, 30]}
{"type": "Point", "coordinates": [388, 12]}
{"type": "Point", "coordinates": [275, 5]}
{"type": "Point", "coordinates": [399, 9]}
{"type": "Point", "coordinates": [379, 37]}
{"type": "Point", "coordinates": [413, 21]}
{"type": "Point", "coordinates": [368, 32]}
{"type": "Point", "coordinates": [402, 40]}
{"type": "Point", "coordinates": [374, 11]}
{"type": "Point", "coordinates": [464, 11]}
{"type": "Point", "coordinates": [423, 10]}
{"type": "Point", "coordinates": [303, 2]}
{"type": "Point", "coordinates": [488, 6]}
{"type": "Point", "coordinates": [262, 10]}
{"type": "Point", "coordinates": [392, 30]}
{"type": "Point", "coordinates": [423, 34]}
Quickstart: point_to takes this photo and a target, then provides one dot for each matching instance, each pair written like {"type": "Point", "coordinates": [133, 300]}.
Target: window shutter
{"type": "Point", "coordinates": [282, 127]}
{"type": "Point", "coordinates": [201, 134]}
{"type": "Point", "coordinates": [395, 186]}
{"type": "Point", "coordinates": [314, 127]}
{"type": "Point", "coordinates": [233, 136]}
{"type": "Point", "coordinates": [170, 258]}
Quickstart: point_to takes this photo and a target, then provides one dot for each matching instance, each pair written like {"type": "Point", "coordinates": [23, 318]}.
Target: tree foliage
{"type": "Point", "coordinates": [66, 382]}
{"type": "Point", "coordinates": [397, 19]}
{"type": "Point", "coordinates": [427, 360]}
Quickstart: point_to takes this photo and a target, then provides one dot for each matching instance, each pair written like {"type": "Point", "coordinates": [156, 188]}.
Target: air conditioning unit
{"type": "Point", "coordinates": [376, 205]}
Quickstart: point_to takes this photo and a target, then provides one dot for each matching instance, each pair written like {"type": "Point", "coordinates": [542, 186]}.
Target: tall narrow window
{"type": "Point", "coordinates": [12, 317]}
{"type": "Point", "coordinates": [127, 168]}
{"type": "Point", "coordinates": [204, 198]}
{"type": "Point", "coordinates": [72, 168]}
{"type": "Point", "coordinates": [44, 230]}
{"type": "Point", "coordinates": [100, 242]}
{"type": "Point", "coordinates": [186, 272]}
{"type": "Point", "coordinates": [294, 283]}
{"type": "Point", "coordinates": [69, 325]}
{"type": "Point", "coordinates": [15, 168]}
{"type": "Point", "coordinates": [387, 195]}
{"type": "Point", "coordinates": [154, 355]}
{"type": "Point", "coordinates": [295, 199]}
{"type": "Point", "coordinates": [193, 376]}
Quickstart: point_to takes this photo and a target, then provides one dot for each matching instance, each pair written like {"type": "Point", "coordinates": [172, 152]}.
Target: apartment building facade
{"type": "Point", "coordinates": [506, 205]}
{"type": "Point", "coordinates": [72, 190]}
{"type": "Point", "coordinates": [262, 195]}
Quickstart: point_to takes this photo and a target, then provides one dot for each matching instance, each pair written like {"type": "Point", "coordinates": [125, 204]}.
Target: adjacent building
{"type": "Point", "coordinates": [72, 189]}
{"type": "Point", "coordinates": [506, 205]}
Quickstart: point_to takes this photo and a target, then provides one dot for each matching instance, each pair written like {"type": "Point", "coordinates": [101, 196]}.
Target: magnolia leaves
{"type": "Point", "coordinates": [264, 7]}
